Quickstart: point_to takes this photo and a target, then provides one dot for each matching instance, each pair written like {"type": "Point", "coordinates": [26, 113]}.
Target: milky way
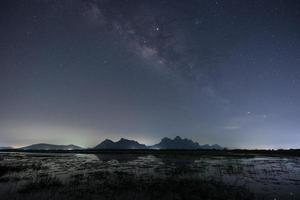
{"type": "Point", "coordinates": [222, 72]}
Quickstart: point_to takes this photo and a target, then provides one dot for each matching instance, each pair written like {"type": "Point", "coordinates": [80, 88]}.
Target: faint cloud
{"type": "Point", "coordinates": [249, 119]}
{"type": "Point", "coordinates": [232, 128]}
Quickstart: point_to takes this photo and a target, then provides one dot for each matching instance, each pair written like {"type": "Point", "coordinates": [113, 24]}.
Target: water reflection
{"type": "Point", "coordinates": [264, 175]}
{"type": "Point", "coordinates": [167, 160]}
{"type": "Point", "coordinates": [121, 158]}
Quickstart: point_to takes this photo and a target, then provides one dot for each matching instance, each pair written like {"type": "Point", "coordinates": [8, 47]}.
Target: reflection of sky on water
{"type": "Point", "coordinates": [121, 158]}
{"type": "Point", "coordinates": [268, 176]}
{"type": "Point", "coordinates": [273, 177]}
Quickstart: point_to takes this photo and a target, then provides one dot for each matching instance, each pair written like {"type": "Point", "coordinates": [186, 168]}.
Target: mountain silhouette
{"type": "Point", "coordinates": [43, 146]}
{"type": "Point", "coordinates": [176, 143]}
{"type": "Point", "coordinates": [165, 143]}
{"type": "Point", "coordinates": [121, 144]}
{"type": "Point", "coordinates": [182, 143]}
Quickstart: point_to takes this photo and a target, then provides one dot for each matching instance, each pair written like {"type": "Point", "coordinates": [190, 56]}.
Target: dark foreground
{"type": "Point", "coordinates": [140, 175]}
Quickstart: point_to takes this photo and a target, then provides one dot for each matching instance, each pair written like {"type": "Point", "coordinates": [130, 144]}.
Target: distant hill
{"type": "Point", "coordinates": [121, 144]}
{"type": "Point", "coordinates": [2, 148]}
{"type": "Point", "coordinates": [214, 146]}
{"type": "Point", "coordinates": [43, 146]}
{"type": "Point", "coordinates": [176, 143]}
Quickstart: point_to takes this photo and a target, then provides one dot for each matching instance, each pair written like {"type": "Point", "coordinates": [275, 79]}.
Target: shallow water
{"type": "Point", "coordinates": [267, 177]}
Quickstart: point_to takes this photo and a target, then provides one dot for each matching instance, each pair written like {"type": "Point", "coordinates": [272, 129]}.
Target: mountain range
{"type": "Point", "coordinates": [43, 146]}
{"type": "Point", "coordinates": [165, 143]}
{"type": "Point", "coordinates": [176, 143]}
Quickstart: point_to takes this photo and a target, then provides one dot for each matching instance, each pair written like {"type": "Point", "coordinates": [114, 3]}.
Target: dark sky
{"type": "Point", "coordinates": [76, 71]}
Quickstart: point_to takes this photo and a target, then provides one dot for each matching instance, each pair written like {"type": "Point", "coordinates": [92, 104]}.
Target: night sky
{"type": "Point", "coordinates": [76, 71]}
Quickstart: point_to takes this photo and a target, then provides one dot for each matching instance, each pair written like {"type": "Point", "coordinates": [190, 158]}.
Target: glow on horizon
{"type": "Point", "coordinates": [63, 135]}
{"type": "Point", "coordinates": [87, 138]}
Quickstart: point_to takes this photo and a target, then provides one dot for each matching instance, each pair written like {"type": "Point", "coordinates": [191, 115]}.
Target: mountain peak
{"type": "Point", "coordinates": [123, 140]}
{"type": "Point", "coordinates": [107, 140]}
{"type": "Point", "coordinates": [177, 138]}
{"type": "Point", "coordinates": [121, 144]}
{"type": "Point", "coordinates": [176, 143]}
{"type": "Point", "coordinates": [165, 139]}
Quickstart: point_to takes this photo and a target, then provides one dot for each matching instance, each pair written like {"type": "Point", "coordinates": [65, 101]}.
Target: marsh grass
{"type": "Point", "coordinates": [7, 169]}
{"type": "Point", "coordinates": [125, 186]}
{"type": "Point", "coordinates": [38, 184]}
{"type": "Point", "coordinates": [4, 169]}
